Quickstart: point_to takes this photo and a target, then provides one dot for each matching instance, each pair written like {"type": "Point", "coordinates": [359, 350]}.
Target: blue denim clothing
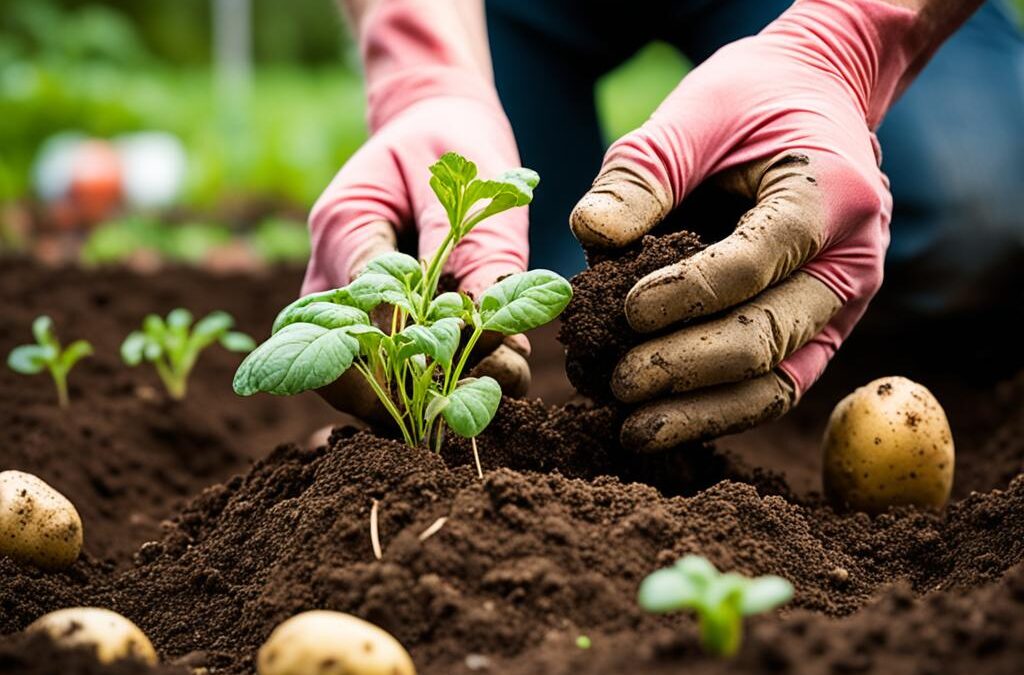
{"type": "Point", "coordinates": [953, 145]}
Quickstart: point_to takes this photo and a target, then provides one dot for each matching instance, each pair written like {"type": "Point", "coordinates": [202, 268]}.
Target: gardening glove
{"type": "Point", "coordinates": [427, 94]}
{"type": "Point", "coordinates": [785, 118]}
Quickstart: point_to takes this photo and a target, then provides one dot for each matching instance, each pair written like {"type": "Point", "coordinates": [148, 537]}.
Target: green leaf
{"type": "Point", "coordinates": [42, 330]}
{"type": "Point", "coordinates": [446, 305]}
{"type": "Point", "coordinates": [213, 325]}
{"type": "Point", "coordinates": [324, 314]}
{"type": "Point", "coordinates": [338, 296]}
{"type": "Point", "coordinates": [133, 347]}
{"type": "Point", "coordinates": [509, 190]}
{"type": "Point", "coordinates": [153, 350]}
{"type": "Point", "coordinates": [372, 289]}
{"type": "Point", "coordinates": [765, 593]}
{"type": "Point", "coordinates": [666, 590]}
{"type": "Point", "coordinates": [698, 570]}
{"type": "Point", "coordinates": [403, 267]}
{"type": "Point", "coordinates": [438, 341]}
{"type": "Point", "coordinates": [450, 176]}
{"type": "Point", "coordinates": [29, 359]}
{"type": "Point", "coordinates": [153, 325]}
{"type": "Point", "coordinates": [472, 405]}
{"type": "Point", "coordinates": [179, 319]}
{"type": "Point", "coordinates": [299, 357]}
{"type": "Point", "coordinates": [75, 352]}
{"type": "Point", "coordinates": [524, 301]}
{"type": "Point", "coordinates": [435, 408]}
{"type": "Point", "coordinates": [237, 342]}
{"type": "Point", "coordinates": [369, 336]}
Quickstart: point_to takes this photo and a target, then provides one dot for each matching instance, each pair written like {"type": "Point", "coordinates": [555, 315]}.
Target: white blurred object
{"type": "Point", "coordinates": [153, 165]}
{"type": "Point", "coordinates": [54, 165]}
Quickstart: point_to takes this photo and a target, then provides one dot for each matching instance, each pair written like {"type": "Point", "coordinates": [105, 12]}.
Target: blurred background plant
{"type": "Point", "coordinates": [264, 98]}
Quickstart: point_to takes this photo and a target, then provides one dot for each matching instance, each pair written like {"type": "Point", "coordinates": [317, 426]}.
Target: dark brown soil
{"type": "Point", "coordinates": [124, 453]}
{"type": "Point", "coordinates": [552, 543]}
{"type": "Point", "coordinates": [594, 329]}
{"type": "Point", "coordinates": [36, 654]}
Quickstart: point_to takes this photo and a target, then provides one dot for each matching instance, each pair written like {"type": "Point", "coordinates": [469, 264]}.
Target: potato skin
{"type": "Point", "coordinates": [38, 525]}
{"type": "Point", "coordinates": [321, 642]}
{"type": "Point", "coordinates": [888, 444]}
{"type": "Point", "coordinates": [113, 636]}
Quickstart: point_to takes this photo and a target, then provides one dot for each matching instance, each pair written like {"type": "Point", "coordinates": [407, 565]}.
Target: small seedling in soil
{"type": "Point", "coordinates": [173, 345]}
{"type": "Point", "coordinates": [47, 353]}
{"type": "Point", "coordinates": [719, 600]}
{"type": "Point", "coordinates": [415, 366]}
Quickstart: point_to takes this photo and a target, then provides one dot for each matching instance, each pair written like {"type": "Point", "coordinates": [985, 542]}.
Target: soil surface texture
{"type": "Point", "coordinates": [549, 545]}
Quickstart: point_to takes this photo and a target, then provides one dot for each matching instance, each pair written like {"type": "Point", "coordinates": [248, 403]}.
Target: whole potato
{"type": "Point", "coordinates": [331, 643]}
{"type": "Point", "coordinates": [113, 636]}
{"type": "Point", "coordinates": [37, 524]}
{"type": "Point", "coordinates": [888, 444]}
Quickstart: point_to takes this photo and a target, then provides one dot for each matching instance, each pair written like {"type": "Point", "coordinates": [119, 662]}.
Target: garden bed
{"type": "Point", "coordinates": [549, 546]}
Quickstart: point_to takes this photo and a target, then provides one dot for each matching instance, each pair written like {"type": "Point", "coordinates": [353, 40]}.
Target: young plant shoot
{"type": "Point", "coordinates": [47, 353]}
{"type": "Point", "coordinates": [719, 600]}
{"type": "Point", "coordinates": [416, 366]}
{"type": "Point", "coordinates": [173, 345]}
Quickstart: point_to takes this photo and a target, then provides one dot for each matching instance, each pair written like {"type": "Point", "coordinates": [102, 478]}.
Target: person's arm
{"type": "Point", "coordinates": [786, 119]}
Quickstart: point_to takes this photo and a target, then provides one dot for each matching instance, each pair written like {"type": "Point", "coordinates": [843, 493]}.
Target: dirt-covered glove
{"type": "Point", "coordinates": [785, 118]}
{"type": "Point", "coordinates": [428, 93]}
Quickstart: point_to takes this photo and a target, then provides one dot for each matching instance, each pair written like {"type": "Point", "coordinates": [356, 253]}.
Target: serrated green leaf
{"type": "Point", "coordinates": [75, 352]}
{"type": "Point", "coordinates": [403, 267]}
{"type": "Point", "coordinates": [471, 406]}
{"type": "Point", "coordinates": [133, 347]}
{"type": "Point", "coordinates": [297, 358]}
{"type": "Point", "coordinates": [438, 341]}
{"type": "Point", "coordinates": [237, 342]}
{"type": "Point", "coordinates": [446, 305]}
{"type": "Point", "coordinates": [29, 359]}
{"type": "Point", "coordinates": [524, 301]}
{"type": "Point", "coordinates": [666, 590]}
{"type": "Point", "coordinates": [762, 594]}
{"type": "Point", "coordinates": [324, 314]}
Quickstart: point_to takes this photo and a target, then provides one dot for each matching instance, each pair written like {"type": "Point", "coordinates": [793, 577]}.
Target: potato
{"type": "Point", "coordinates": [331, 643]}
{"type": "Point", "coordinates": [888, 444]}
{"type": "Point", "coordinates": [113, 636]}
{"type": "Point", "coordinates": [37, 524]}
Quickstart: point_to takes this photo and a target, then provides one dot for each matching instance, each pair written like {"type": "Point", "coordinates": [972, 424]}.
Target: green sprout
{"type": "Point", "coordinates": [719, 600]}
{"type": "Point", "coordinates": [47, 353]}
{"type": "Point", "coordinates": [416, 366]}
{"type": "Point", "coordinates": [173, 345]}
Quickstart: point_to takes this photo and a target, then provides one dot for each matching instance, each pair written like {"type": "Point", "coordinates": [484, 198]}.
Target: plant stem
{"type": "Point", "coordinates": [175, 383]}
{"type": "Point", "coordinates": [721, 631]}
{"type": "Point", "coordinates": [387, 402]}
{"type": "Point", "coordinates": [457, 372]}
{"type": "Point", "coordinates": [60, 379]}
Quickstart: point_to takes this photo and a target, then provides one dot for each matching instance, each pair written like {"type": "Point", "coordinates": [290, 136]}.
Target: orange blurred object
{"type": "Point", "coordinates": [96, 180]}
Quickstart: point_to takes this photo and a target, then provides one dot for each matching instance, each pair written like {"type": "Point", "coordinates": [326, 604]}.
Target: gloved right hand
{"type": "Point", "coordinates": [428, 93]}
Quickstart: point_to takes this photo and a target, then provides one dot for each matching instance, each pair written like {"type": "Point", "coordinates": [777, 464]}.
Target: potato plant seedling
{"type": "Point", "coordinates": [719, 600]}
{"type": "Point", "coordinates": [47, 354]}
{"type": "Point", "coordinates": [173, 345]}
{"type": "Point", "coordinates": [415, 367]}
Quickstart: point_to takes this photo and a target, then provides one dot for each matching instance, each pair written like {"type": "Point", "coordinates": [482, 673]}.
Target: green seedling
{"type": "Point", "coordinates": [416, 365]}
{"type": "Point", "coordinates": [48, 354]}
{"type": "Point", "coordinates": [719, 600]}
{"type": "Point", "coordinates": [173, 345]}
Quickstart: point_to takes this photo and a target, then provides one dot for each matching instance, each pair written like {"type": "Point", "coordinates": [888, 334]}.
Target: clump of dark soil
{"type": "Point", "coordinates": [594, 329]}
{"type": "Point", "coordinates": [124, 453]}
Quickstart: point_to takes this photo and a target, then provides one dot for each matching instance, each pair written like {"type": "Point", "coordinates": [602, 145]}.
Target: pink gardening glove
{"type": "Point", "coordinates": [427, 95]}
{"type": "Point", "coordinates": [785, 118]}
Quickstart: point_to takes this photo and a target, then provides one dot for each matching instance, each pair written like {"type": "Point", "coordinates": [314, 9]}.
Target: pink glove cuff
{"type": "Point", "coordinates": [408, 58]}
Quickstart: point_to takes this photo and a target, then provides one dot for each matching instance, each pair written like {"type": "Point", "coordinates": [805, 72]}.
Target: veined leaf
{"type": "Point", "coordinates": [403, 267]}
{"type": "Point", "coordinates": [325, 314]}
{"type": "Point", "coordinates": [373, 289]}
{"type": "Point", "coordinates": [524, 301]}
{"type": "Point", "coordinates": [471, 406]}
{"type": "Point", "coordinates": [338, 296]}
{"type": "Point", "coordinates": [369, 336]}
{"type": "Point", "coordinates": [434, 408]}
{"type": "Point", "coordinates": [438, 341]}
{"type": "Point", "coordinates": [299, 357]}
{"type": "Point", "coordinates": [446, 305]}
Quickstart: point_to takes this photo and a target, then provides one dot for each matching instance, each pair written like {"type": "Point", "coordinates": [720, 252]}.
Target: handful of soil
{"type": "Point", "coordinates": [594, 328]}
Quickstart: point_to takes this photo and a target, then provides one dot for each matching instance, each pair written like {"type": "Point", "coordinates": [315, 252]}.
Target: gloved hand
{"type": "Point", "coordinates": [784, 118]}
{"type": "Point", "coordinates": [429, 92]}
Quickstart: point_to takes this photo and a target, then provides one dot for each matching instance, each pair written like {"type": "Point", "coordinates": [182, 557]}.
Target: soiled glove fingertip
{"type": "Point", "coordinates": [591, 218]}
